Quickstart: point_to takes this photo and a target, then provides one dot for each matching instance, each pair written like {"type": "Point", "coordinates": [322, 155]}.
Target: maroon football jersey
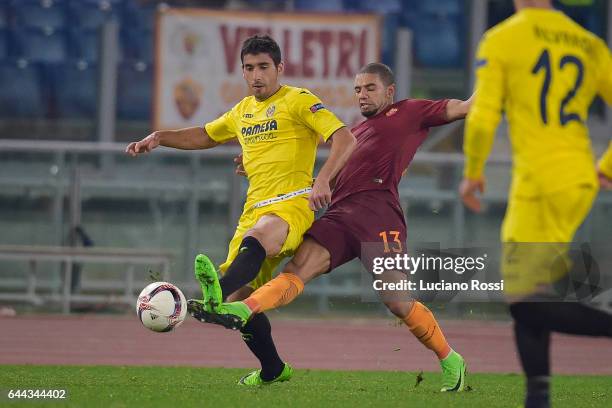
{"type": "Point", "coordinates": [386, 144]}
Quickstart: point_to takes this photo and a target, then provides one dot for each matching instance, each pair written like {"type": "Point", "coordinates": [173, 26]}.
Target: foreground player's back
{"type": "Point", "coordinates": [547, 70]}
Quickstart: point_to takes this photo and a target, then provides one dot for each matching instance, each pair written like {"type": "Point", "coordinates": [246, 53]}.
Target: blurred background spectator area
{"type": "Point", "coordinates": [50, 53]}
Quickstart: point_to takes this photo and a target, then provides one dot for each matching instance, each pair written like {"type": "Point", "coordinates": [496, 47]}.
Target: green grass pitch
{"type": "Point", "coordinates": [104, 386]}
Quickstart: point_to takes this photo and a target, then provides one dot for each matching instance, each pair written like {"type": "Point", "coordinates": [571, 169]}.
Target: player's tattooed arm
{"type": "Point", "coordinates": [457, 109]}
{"type": "Point", "coordinates": [192, 138]}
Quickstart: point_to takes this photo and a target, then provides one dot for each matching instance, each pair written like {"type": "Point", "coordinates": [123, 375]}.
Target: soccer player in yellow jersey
{"type": "Point", "coordinates": [278, 127]}
{"type": "Point", "coordinates": [543, 70]}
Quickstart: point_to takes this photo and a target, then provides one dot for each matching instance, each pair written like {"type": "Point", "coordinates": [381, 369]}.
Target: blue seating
{"type": "Point", "coordinates": [75, 85]}
{"type": "Point", "coordinates": [134, 91]}
{"type": "Point", "coordinates": [20, 90]}
{"type": "Point", "coordinates": [268, 5]}
{"type": "Point", "coordinates": [410, 13]}
{"type": "Point", "coordinates": [441, 7]}
{"type": "Point", "coordinates": [40, 14]}
{"type": "Point", "coordinates": [4, 15]}
{"type": "Point", "coordinates": [389, 38]}
{"type": "Point", "coordinates": [319, 5]}
{"type": "Point", "coordinates": [139, 17]}
{"type": "Point", "coordinates": [38, 46]}
{"type": "Point", "coordinates": [592, 17]}
{"type": "Point", "coordinates": [438, 42]}
{"type": "Point", "coordinates": [3, 44]}
{"type": "Point", "coordinates": [390, 10]}
{"type": "Point", "coordinates": [137, 44]}
{"type": "Point", "coordinates": [380, 6]}
{"type": "Point", "coordinates": [91, 14]}
{"type": "Point", "coordinates": [85, 44]}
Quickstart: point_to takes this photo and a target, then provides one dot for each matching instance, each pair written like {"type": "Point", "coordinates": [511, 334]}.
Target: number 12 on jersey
{"type": "Point", "coordinates": [544, 63]}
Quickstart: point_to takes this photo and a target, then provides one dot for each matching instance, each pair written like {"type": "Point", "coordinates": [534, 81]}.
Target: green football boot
{"type": "Point", "coordinates": [453, 372]}
{"type": "Point", "coordinates": [254, 378]}
{"type": "Point", "coordinates": [207, 277]}
{"type": "Point", "coordinates": [232, 315]}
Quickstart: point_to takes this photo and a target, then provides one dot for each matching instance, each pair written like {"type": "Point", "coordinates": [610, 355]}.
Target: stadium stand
{"type": "Point", "coordinates": [79, 98]}
{"type": "Point", "coordinates": [134, 94]}
{"type": "Point", "coordinates": [43, 15]}
{"type": "Point", "coordinates": [37, 45]}
{"type": "Point", "coordinates": [21, 93]}
{"type": "Point", "coordinates": [54, 33]}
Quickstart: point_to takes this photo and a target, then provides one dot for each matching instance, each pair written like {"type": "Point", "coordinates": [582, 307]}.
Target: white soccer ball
{"type": "Point", "coordinates": [161, 307]}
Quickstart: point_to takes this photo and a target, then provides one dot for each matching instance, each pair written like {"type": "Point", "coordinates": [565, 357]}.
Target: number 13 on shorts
{"type": "Point", "coordinates": [396, 243]}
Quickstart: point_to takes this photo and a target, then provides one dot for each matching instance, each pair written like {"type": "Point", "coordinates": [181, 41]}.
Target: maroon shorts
{"type": "Point", "coordinates": [361, 219]}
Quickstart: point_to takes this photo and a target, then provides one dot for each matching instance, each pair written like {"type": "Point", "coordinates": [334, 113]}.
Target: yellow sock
{"type": "Point", "coordinates": [424, 326]}
{"type": "Point", "coordinates": [279, 291]}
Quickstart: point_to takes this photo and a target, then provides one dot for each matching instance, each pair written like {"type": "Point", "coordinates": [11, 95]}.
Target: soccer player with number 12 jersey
{"type": "Point", "coordinates": [543, 70]}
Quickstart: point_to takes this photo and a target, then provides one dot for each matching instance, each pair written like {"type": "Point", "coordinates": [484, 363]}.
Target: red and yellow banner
{"type": "Point", "coordinates": [198, 69]}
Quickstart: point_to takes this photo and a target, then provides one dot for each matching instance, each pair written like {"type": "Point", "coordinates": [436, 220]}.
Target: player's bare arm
{"type": "Point", "coordinates": [456, 109]}
{"type": "Point", "coordinates": [192, 138]}
{"type": "Point", "coordinates": [343, 143]}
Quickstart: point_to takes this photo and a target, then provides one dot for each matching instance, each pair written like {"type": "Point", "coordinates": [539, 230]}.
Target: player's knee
{"type": "Point", "coordinates": [400, 309]}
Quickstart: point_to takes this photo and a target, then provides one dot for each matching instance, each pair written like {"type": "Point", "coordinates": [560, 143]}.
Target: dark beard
{"type": "Point", "coordinates": [369, 114]}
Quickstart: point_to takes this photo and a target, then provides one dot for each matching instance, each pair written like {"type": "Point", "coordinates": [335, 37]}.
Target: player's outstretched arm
{"type": "Point", "coordinates": [192, 138]}
{"type": "Point", "coordinates": [343, 143]}
{"type": "Point", "coordinates": [457, 109]}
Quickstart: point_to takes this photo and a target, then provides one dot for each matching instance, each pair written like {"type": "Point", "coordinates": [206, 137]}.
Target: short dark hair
{"type": "Point", "coordinates": [383, 71]}
{"type": "Point", "coordinates": [261, 44]}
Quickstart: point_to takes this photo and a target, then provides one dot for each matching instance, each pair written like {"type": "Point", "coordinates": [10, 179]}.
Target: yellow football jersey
{"type": "Point", "coordinates": [543, 70]}
{"type": "Point", "coordinates": [279, 138]}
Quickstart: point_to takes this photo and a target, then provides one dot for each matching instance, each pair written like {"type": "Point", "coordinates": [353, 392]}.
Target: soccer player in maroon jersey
{"type": "Point", "coordinates": [365, 208]}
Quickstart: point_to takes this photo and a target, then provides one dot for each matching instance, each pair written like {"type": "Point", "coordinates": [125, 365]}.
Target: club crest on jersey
{"type": "Point", "coordinates": [270, 111]}
{"type": "Point", "coordinates": [316, 107]}
{"type": "Point", "coordinates": [391, 112]}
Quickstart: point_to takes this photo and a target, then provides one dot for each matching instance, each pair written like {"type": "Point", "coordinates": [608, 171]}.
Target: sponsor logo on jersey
{"type": "Point", "coordinates": [266, 137]}
{"type": "Point", "coordinates": [260, 128]}
{"type": "Point", "coordinates": [247, 115]}
{"type": "Point", "coordinates": [260, 132]}
{"type": "Point", "coordinates": [270, 111]}
{"type": "Point", "coordinates": [316, 107]}
{"type": "Point", "coordinates": [391, 112]}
